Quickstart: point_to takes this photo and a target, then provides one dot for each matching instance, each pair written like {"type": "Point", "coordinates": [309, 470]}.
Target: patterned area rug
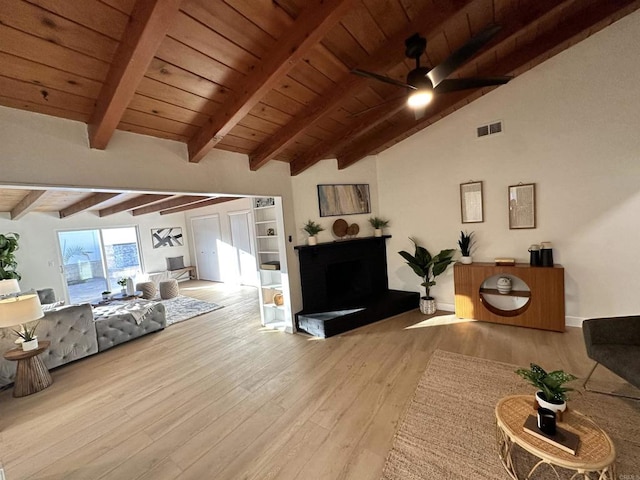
{"type": "Point", "coordinates": [449, 428]}
{"type": "Point", "coordinates": [183, 308]}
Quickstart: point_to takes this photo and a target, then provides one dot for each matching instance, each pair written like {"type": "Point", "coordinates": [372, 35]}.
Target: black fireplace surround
{"type": "Point", "coordinates": [345, 286]}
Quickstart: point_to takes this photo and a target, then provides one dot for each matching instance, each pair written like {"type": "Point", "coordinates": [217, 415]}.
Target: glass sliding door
{"type": "Point", "coordinates": [94, 260]}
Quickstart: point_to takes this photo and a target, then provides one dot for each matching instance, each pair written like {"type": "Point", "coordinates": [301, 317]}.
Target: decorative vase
{"type": "Point", "coordinates": [427, 305]}
{"type": "Point", "coordinates": [278, 299]}
{"type": "Point", "coordinates": [554, 407]}
{"type": "Point", "coordinates": [312, 240]}
{"type": "Point", "coordinates": [504, 285]}
{"type": "Point", "coordinates": [377, 232]}
{"type": "Point", "coordinates": [30, 345]}
{"type": "Point", "coordinates": [105, 296]}
{"type": "Point", "coordinates": [130, 288]}
{"type": "Point", "coordinates": [466, 260]}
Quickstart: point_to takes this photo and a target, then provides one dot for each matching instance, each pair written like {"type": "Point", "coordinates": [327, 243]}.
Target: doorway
{"type": "Point", "coordinates": [244, 250]}
{"type": "Point", "coordinates": [206, 244]}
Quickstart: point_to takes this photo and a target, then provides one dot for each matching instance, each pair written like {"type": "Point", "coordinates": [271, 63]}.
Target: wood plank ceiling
{"type": "Point", "coordinates": [267, 78]}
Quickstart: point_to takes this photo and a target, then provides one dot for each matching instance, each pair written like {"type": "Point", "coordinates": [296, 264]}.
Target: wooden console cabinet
{"type": "Point", "coordinates": [545, 293]}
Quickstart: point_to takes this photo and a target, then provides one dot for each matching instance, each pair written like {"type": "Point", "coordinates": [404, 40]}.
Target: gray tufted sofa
{"type": "Point", "coordinates": [74, 333]}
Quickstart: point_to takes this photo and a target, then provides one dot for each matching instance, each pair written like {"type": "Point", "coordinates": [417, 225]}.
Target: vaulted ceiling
{"type": "Point", "coordinates": [268, 78]}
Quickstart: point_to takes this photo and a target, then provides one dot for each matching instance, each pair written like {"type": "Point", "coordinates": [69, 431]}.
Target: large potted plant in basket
{"type": "Point", "coordinates": [427, 267]}
{"type": "Point", "coordinates": [551, 394]}
{"type": "Point", "coordinates": [8, 263]}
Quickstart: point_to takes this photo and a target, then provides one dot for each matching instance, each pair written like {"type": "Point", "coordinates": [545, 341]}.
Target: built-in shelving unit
{"type": "Point", "coordinates": [536, 300]}
{"type": "Point", "coordinates": [271, 263]}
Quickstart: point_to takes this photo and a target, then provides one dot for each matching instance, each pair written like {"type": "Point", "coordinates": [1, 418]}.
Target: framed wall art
{"type": "Point", "coordinates": [522, 206]}
{"type": "Point", "coordinates": [348, 199]}
{"type": "Point", "coordinates": [167, 237]}
{"type": "Point", "coordinates": [471, 204]}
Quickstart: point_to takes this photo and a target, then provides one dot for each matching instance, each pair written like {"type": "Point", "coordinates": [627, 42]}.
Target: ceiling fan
{"type": "Point", "coordinates": [424, 82]}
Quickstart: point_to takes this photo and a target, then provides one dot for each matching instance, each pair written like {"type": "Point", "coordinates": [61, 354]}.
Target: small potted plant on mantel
{"type": "Point", "coordinates": [123, 284]}
{"type": "Point", "coordinates": [378, 224]}
{"type": "Point", "coordinates": [465, 242]}
{"type": "Point", "coordinates": [312, 228]}
{"type": "Point", "coordinates": [106, 294]}
{"type": "Point", "coordinates": [428, 267]}
{"type": "Point", "coordinates": [27, 337]}
{"type": "Point", "coordinates": [551, 393]}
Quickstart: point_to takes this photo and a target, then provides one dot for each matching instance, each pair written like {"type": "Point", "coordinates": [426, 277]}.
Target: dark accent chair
{"type": "Point", "coordinates": [615, 344]}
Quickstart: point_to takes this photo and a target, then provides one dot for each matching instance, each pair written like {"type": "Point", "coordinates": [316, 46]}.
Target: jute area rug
{"type": "Point", "coordinates": [449, 428]}
{"type": "Point", "coordinates": [183, 308]}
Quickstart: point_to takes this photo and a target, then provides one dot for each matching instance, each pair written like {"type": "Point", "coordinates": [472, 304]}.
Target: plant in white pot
{"type": "Point", "coordinates": [27, 337]}
{"type": "Point", "coordinates": [378, 224]}
{"type": "Point", "coordinates": [428, 267]}
{"type": "Point", "coordinates": [312, 228]}
{"type": "Point", "coordinates": [465, 242]}
{"type": "Point", "coordinates": [123, 285]}
{"type": "Point", "coordinates": [551, 393]}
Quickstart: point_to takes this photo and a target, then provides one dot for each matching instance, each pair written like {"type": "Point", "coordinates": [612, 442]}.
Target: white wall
{"type": "Point", "coordinates": [42, 150]}
{"type": "Point", "coordinates": [571, 126]}
{"type": "Point", "coordinates": [305, 192]}
{"type": "Point", "coordinates": [39, 258]}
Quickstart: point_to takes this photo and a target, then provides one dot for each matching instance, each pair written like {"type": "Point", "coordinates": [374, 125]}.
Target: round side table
{"type": "Point", "coordinates": [595, 455]}
{"type": "Point", "coordinates": [31, 373]}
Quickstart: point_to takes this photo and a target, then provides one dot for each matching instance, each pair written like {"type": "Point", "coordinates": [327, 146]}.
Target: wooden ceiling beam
{"type": "Point", "coordinates": [315, 21]}
{"type": "Point", "coordinates": [174, 202]}
{"type": "Point", "coordinates": [427, 21]}
{"type": "Point", "coordinates": [204, 203]}
{"type": "Point", "coordinates": [570, 30]}
{"type": "Point", "coordinates": [148, 25]}
{"type": "Point", "coordinates": [86, 204]}
{"type": "Point", "coordinates": [28, 204]}
{"type": "Point", "coordinates": [136, 202]}
{"type": "Point", "coordinates": [518, 18]}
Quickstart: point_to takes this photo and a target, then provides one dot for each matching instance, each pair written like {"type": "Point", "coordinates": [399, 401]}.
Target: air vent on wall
{"type": "Point", "coordinates": [489, 129]}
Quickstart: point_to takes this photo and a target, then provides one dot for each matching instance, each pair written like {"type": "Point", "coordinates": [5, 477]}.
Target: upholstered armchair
{"type": "Point", "coordinates": [615, 344]}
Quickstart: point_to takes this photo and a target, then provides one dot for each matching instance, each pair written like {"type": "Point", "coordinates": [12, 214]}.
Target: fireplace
{"type": "Point", "coordinates": [345, 285]}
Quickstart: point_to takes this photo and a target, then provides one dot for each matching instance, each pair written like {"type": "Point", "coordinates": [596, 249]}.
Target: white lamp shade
{"type": "Point", "coordinates": [8, 286]}
{"type": "Point", "coordinates": [18, 310]}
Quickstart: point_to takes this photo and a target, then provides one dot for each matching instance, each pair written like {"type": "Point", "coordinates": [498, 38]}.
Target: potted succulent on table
{"type": "Point", "coordinates": [312, 228]}
{"type": "Point", "coordinates": [551, 393]}
{"type": "Point", "coordinates": [123, 284]}
{"type": "Point", "coordinates": [378, 224]}
{"type": "Point", "coordinates": [465, 242]}
{"type": "Point", "coordinates": [27, 337]}
{"type": "Point", "coordinates": [428, 267]}
{"type": "Point", "coordinates": [106, 295]}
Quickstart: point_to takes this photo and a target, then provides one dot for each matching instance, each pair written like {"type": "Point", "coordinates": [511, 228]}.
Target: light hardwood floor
{"type": "Point", "coordinates": [219, 397]}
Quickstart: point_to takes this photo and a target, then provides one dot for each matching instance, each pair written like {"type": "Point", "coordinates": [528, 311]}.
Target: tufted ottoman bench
{"type": "Point", "coordinates": [113, 330]}
{"type": "Point", "coordinates": [169, 289]}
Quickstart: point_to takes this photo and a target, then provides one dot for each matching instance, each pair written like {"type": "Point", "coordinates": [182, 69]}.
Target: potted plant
{"type": "Point", "coordinates": [428, 267]}
{"type": "Point", "coordinates": [123, 284]}
{"type": "Point", "coordinates": [551, 393]}
{"type": "Point", "coordinates": [312, 228]}
{"type": "Point", "coordinates": [106, 294]}
{"type": "Point", "coordinates": [8, 263]}
{"type": "Point", "coordinates": [27, 337]}
{"type": "Point", "coordinates": [378, 224]}
{"type": "Point", "coordinates": [465, 242]}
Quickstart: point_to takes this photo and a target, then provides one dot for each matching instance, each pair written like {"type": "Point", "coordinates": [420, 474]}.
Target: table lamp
{"type": "Point", "coordinates": [9, 286]}
{"type": "Point", "coordinates": [19, 309]}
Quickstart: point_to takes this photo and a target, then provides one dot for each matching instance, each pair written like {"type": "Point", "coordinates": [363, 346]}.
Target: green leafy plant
{"type": "Point", "coordinates": [377, 222]}
{"type": "Point", "coordinates": [27, 333]}
{"type": "Point", "coordinates": [122, 282]}
{"type": "Point", "coordinates": [551, 384]}
{"type": "Point", "coordinates": [426, 266]}
{"type": "Point", "coordinates": [465, 242]}
{"type": "Point", "coordinates": [8, 263]}
{"type": "Point", "coordinates": [312, 228]}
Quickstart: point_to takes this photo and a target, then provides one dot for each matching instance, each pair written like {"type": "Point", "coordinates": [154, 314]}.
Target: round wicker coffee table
{"type": "Point", "coordinates": [595, 456]}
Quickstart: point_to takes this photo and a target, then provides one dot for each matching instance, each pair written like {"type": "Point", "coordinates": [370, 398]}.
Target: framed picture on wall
{"type": "Point", "coordinates": [349, 199]}
{"type": "Point", "coordinates": [522, 206]}
{"type": "Point", "coordinates": [471, 205]}
{"type": "Point", "coordinates": [167, 237]}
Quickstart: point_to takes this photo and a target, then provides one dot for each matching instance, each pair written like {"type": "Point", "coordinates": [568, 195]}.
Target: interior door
{"type": "Point", "coordinates": [241, 241]}
{"type": "Point", "coordinates": [206, 243]}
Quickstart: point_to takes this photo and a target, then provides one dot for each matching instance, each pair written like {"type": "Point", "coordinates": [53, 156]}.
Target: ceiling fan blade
{"type": "Point", "coordinates": [455, 84]}
{"type": "Point", "coordinates": [381, 78]}
{"type": "Point", "coordinates": [460, 56]}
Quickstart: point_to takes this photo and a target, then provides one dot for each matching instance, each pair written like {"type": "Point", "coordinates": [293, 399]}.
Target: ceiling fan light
{"type": "Point", "coordinates": [420, 98]}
